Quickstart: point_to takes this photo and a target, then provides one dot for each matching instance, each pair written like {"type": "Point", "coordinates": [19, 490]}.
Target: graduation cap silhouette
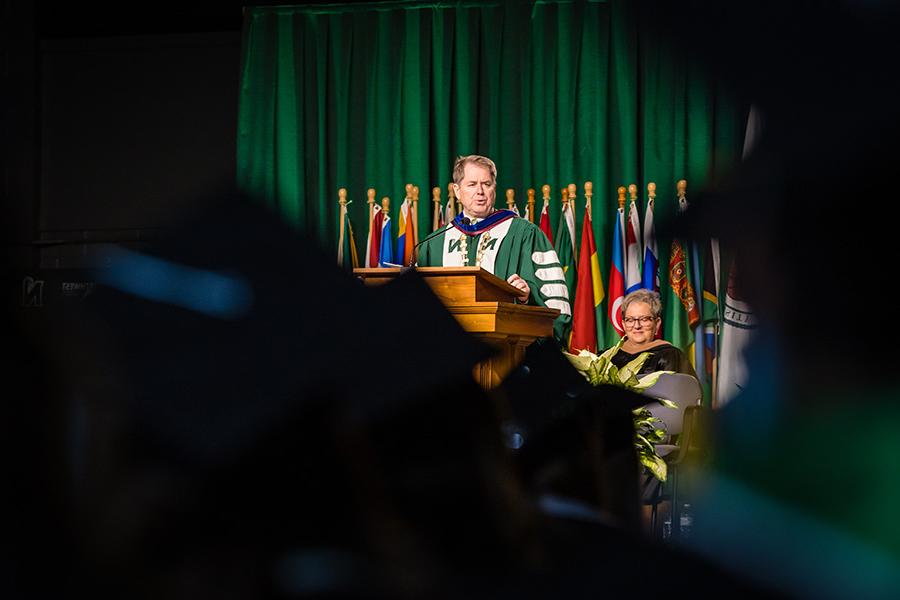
{"type": "Point", "coordinates": [228, 324]}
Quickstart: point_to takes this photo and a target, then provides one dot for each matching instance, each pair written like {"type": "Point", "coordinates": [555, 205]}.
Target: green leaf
{"type": "Point", "coordinates": [609, 352]}
{"type": "Point", "coordinates": [628, 373]}
{"type": "Point", "coordinates": [581, 361]}
{"type": "Point", "coordinates": [643, 440]}
{"type": "Point", "coordinates": [667, 403]}
{"type": "Point", "coordinates": [656, 466]}
{"type": "Point", "coordinates": [656, 435]}
{"type": "Point", "coordinates": [649, 379]}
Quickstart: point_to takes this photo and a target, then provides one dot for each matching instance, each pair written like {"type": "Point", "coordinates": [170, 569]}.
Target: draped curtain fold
{"type": "Point", "coordinates": [382, 94]}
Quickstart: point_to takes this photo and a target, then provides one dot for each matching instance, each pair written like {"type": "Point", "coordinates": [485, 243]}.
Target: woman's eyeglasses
{"type": "Point", "coordinates": [632, 321]}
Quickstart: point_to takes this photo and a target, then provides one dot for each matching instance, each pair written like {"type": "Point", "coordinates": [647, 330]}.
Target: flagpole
{"type": "Point", "coordinates": [531, 206]}
{"type": "Point", "coordinates": [342, 211]}
{"type": "Point", "coordinates": [409, 210]}
{"type": "Point", "coordinates": [370, 200]}
{"type": "Point", "coordinates": [415, 214]}
{"type": "Point", "coordinates": [511, 199]}
{"type": "Point", "coordinates": [436, 198]}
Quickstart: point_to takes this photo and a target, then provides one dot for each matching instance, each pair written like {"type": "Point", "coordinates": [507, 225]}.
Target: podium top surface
{"type": "Point", "coordinates": [451, 284]}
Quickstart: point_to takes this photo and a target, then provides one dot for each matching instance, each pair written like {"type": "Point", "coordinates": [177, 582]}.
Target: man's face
{"type": "Point", "coordinates": [477, 191]}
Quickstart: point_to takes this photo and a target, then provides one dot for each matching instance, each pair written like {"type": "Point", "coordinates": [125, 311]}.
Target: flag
{"type": "Point", "coordinates": [738, 320]}
{"type": "Point", "coordinates": [738, 325]}
{"type": "Point", "coordinates": [373, 241]}
{"type": "Point", "coordinates": [650, 270]}
{"type": "Point", "coordinates": [696, 274]}
{"type": "Point", "coordinates": [450, 209]}
{"type": "Point", "coordinates": [438, 216]}
{"type": "Point", "coordinates": [632, 250]}
{"type": "Point", "coordinates": [527, 215]}
{"type": "Point", "coordinates": [385, 255]}
{"type": "Point", "coordinates": [681, 314]}
{"type": "Point", "coordinates": [617, 278]}
{"type": "Point", "coordinates": [405, 235]}
{"type": "Point", "coordinates": [545, 220]}
{"type": "Point", "coordinates": [565, 247]}
{"type": "Point", "coordinates": [589, 294]}
{"type": "Point", "coordinates": [709, 310]}
{"type": "Point", "coordinates": [347, 257]}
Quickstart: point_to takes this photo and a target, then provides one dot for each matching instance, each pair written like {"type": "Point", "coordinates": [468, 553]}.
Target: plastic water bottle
{"type": "Point", "coordinates": [687, 521]}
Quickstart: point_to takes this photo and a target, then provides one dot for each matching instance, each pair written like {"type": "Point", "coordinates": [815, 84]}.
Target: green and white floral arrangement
{"type": "Point", "coordinates": [599, 370]}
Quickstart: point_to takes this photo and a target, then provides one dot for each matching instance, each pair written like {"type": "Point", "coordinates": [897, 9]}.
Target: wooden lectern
{"type": "Point", "coordinates": [485, 306]}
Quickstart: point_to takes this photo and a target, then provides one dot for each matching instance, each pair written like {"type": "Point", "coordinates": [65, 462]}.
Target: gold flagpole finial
{"type": "Point", "coordinates": [632, 192]}
{"type": "Point", "coordinates": [621, 192]}
{"type": "Point", "coordinates": [681, 188]}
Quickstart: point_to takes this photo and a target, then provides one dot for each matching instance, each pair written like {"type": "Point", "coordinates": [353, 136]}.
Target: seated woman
{"type": "Point", "coordinates": [640, 317]}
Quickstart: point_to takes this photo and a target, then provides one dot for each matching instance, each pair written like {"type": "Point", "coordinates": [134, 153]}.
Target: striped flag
{"type": "Point", "coordinates": [450, 209]}
{"type": "Point", "coordinates": [405, 234]}
{"type": "Point", "coordinates": [565, 246]}
{"type": "Point", "coordinates": [617, 275]}
{"type": "Point", "coordinates": [710, 314]}
{"type": "Point", "coordinates": [650, 271]}
{"type": "Point", "coordinates": [589, 293]}
{"type": "Point", "coordinates": [437, 220]}
{"type": "Point", "coordinates": [373, 241]}
{"type": "Point", "coordinates": [347, 257]}
{"type": "Point", "coordinates": [385, 254]}
{"type": "Point", "coordinates": [545, 220]}
{"type": "Point", "coordinates": [632, 250]}
{"type": "Point", "coordinates": [696, 274]}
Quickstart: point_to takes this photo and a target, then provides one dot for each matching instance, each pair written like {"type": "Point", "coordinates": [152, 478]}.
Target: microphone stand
{"type": "Point", "coordinates": [415, 253]}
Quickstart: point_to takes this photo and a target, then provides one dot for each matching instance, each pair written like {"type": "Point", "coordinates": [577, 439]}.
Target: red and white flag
{"type": "Point", "coordinates": [632, 250]}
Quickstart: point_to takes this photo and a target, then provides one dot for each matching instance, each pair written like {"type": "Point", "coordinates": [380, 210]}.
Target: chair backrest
{"type": "Point", "coordinates": [684, 390]}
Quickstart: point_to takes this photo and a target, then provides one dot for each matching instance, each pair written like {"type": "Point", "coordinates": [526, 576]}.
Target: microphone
{"type": "Point", "coordinates": [415, 253]}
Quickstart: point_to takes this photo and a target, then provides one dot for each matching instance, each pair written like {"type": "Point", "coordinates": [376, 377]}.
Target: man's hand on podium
{"type": "Point", "coordinates": [521, 284]}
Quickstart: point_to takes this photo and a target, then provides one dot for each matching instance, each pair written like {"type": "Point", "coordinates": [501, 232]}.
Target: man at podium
{"type": "Point", "coordinates": [496, 240]}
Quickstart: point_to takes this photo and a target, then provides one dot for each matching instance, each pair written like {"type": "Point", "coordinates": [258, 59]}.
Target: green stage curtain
{"type": "Point", "coordinates": [388, 93]}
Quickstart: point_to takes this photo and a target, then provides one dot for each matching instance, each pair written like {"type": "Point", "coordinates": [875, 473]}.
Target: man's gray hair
{"type": "Point", "coordinates": [648, 296]}
{"type": "Point", "coordinates": [459, 168]}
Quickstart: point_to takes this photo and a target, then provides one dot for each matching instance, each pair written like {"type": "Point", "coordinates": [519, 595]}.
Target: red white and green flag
{"type": "Point", "coordinates": [587, 316]}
